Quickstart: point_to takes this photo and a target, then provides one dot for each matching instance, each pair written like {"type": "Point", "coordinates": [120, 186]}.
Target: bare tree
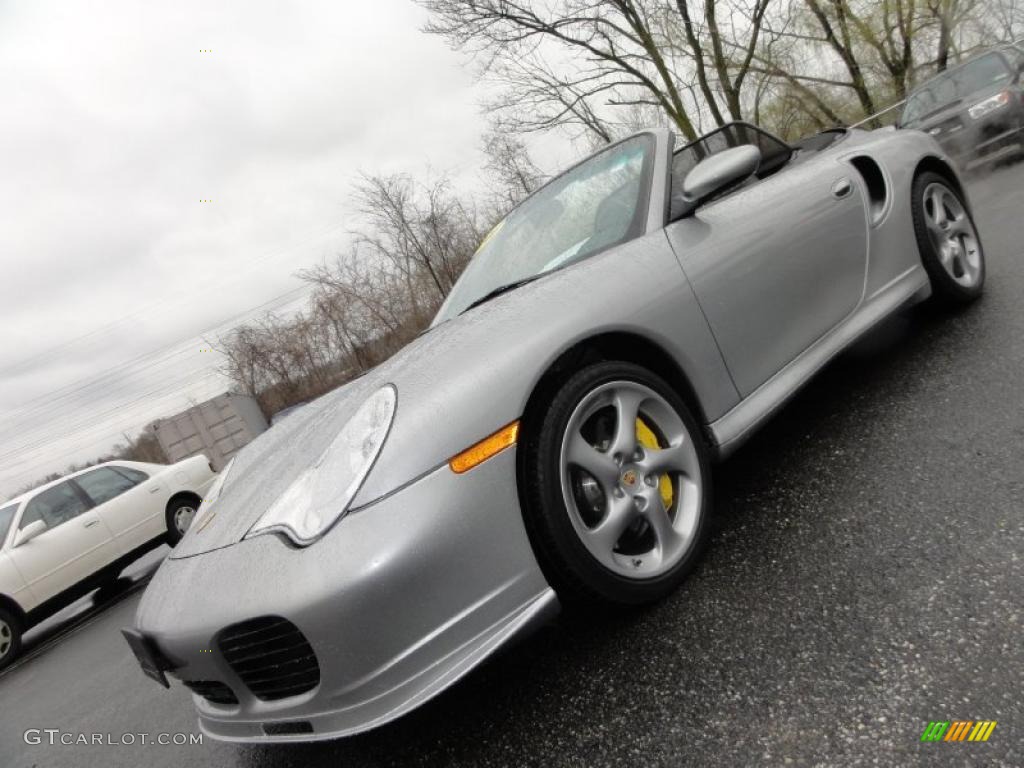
{"type": "Point", "coordinates": [833, 17]}
{"type": "Point", "coordinates": [375, 297]}
{"type": "Point", "coordinates": [535, 97]}
{"type": "Point", "coordinates": [510, 168]}
{"type": "Point", "coordinates": [1003, 19]}
{"type": "Point", "coordinates": [416, 227]}
{"type": "Point", "coordinates": [729, 57]}
{"type": "Point", "coordinates": [616, 43]}
{"type": "Point", "coordinates": [949, 15]}
{"type": "Point", "coordinates": [791, 64]}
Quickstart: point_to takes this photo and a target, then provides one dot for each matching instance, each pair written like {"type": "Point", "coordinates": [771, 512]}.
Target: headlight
{"type": "Point", "coordinates": [982, 108]}
{"type": "Point", "coordinates": [322, 493]}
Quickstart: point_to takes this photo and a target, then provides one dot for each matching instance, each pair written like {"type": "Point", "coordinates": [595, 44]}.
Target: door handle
{"type": "Point", "coordinates": [842, 187]}
{"type": "Point", "coordinates": [91, 523]}
{"type": "Point", "coordinates": [154, 490]}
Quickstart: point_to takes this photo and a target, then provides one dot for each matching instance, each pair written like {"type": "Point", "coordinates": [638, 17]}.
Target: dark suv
{"type": "Point", "coordinates": [974, 110]}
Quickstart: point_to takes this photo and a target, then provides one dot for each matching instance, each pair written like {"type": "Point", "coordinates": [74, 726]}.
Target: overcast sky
{"type": "Point", "coordinates": [117, 123]}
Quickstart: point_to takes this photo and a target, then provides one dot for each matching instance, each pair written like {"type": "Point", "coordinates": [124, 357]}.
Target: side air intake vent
{"type": "Point", "coordinates": [271, 656]}
{"type": "Point", "coordinates": [874, 180]}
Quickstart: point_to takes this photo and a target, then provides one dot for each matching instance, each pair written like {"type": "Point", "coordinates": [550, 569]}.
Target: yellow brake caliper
{"type": "Point", "coordinates": [646, 437]}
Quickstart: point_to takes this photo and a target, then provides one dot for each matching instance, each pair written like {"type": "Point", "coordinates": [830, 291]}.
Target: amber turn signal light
{"type": "Point", "coordinates": [482, 451]}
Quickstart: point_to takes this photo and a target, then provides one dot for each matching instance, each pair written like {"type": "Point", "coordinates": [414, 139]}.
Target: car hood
{"type": "Point", "coordinates": [442, 367]}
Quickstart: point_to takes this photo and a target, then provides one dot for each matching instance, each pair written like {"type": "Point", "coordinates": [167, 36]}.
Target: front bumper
{"type": "Point", "coordinates": [398, 600]}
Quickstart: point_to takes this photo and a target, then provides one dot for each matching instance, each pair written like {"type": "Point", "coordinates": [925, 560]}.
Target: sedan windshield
{"type": "Point", "coordinates": [593, 206]}
{"type": "Point", "coordinates": [955, 85]}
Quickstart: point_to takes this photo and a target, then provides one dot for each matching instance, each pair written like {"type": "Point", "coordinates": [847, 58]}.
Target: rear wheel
{"type": "Point", "coordinates": [617, 487]}
{"type": "Point", "coordinates": [10, 637]}
{"type": "Point", "coordinates": [948, 241]}
{"type": "Point", "coordinates": [179, 517]}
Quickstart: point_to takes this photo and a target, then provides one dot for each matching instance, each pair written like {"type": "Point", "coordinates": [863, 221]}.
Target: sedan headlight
{"type": "Point", "coordinates": [991, 104]}
{"type": "Point", "coordinates": [322, 493]}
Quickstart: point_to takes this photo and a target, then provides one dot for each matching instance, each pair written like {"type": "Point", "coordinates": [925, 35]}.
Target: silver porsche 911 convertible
{"type": "Point", "coordinates": [550, 439]}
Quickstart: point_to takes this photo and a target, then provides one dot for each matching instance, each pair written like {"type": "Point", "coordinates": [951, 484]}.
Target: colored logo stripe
{"type": "Point", "coordinates": [982, 730]}
{"type": "Point", "coordinates": [958, 730]}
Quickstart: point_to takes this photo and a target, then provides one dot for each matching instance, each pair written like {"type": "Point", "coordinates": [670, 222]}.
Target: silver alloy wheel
{"type": "Point", "coordinates": [183, 518]}
{"type": "Point", "coordinates": [952, 234]}
{"type": "Point", "coordinates": [626, 477]}
{"type": "Point", "coordinates": [6, 638]}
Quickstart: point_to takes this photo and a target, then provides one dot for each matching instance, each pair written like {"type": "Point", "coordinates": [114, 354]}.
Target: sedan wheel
{"type": "Point", "coordinates": [183, 518]}
{"type": "Point", "coordinates": [179, 517]}
{"type": "Point", "coordinates": [10, 638]}
{"type": "Point", "coordinates": [616, 486]}
{"type": "Point", "coordinates": [6, 638]}
{"type": "Point", "coordinates": [950, 247]}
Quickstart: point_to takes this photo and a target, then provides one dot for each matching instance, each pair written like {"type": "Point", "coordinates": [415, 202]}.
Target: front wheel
{"type": "Point", "coordinates": [948, 241]}
{"type": "Point", "coordinates": [10, 637]}
{"type": "Point", "coordinates": [617, 487]}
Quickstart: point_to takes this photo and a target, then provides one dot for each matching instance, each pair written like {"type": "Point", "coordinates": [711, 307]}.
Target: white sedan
{"type": "Point", "coordinates": [64, 539]}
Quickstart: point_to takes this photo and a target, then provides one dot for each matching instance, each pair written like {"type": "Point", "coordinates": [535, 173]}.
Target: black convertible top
{"type": "Point", "coordinates": [775, 153]}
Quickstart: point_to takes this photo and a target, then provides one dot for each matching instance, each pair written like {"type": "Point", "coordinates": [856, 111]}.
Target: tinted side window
{"type": "Point", "coordinates": [135, 475]}
{"type": "Point", "coordinates": [6, 515]}
{"type": "Point", "coordinates": [103, 484]}
{"type": "Point", "coordinates": [54, 506]}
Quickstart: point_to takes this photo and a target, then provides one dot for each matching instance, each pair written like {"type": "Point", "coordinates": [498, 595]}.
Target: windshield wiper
{"type": "Point", "coordinates": [500, 290]}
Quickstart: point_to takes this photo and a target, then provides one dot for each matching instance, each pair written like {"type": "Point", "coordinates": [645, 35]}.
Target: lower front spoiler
{"type": "Point", "coordinates": [394, 703]}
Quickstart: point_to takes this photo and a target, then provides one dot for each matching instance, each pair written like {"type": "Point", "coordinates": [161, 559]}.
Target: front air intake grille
{"type": "Point", "coordinates": [212, 691]}
{"type": "Point", "coordinates": [288, 729]}
{"type": "Point", "coordinates": [271, 656]}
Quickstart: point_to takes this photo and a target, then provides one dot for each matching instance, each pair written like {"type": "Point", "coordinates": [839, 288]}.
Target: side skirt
{"type": "Point", "coordinates": [734, 428]}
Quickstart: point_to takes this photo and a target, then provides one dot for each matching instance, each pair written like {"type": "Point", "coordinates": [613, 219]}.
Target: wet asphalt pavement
{"type": "Point", "coordinates": [865, 577]}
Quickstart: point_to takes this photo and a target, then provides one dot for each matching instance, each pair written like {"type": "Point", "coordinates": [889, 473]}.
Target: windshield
{"type": "Point", "coordinates": [593, 206]}
{"type": "Point", "coordinates": [955, 85]}
{"type": "Point", "coordinates": [6, 515]}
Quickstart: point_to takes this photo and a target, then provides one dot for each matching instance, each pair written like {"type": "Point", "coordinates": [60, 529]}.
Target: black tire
{"type": "Point", "coordinates": [173, 534]}
{"type": "Point", "coordinates": [945, 289]}
{"type": "Point", "coordinates": [10, 638]}
{"type": "Point", "coordinates": [111, 587]}
{"type": "Point", "coordinates": [109, 577]}
{"type": "Point", "coordinates": [576, 575]}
